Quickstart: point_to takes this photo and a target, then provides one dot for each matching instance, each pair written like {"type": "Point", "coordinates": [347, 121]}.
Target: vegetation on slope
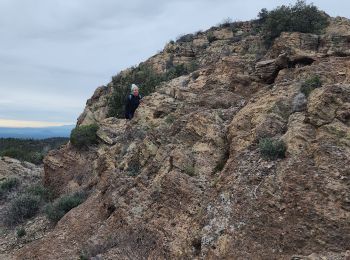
{"type": "Point", "coordinates": [310, 84]}
{"type": "Point", "coordinates": [29, 149]}
{"type": "Point", "coordinates": [28, 202]}
{"type": "Point", "coordinates": [84, 136]}
{"type": "Point", "coordinates": [300, 17]}
{"type": "Point", "coordinates": [56, 210]}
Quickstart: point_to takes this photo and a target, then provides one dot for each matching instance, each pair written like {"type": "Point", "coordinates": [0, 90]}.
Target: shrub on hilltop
{"type": "Point", "coordinates": [301, 17]}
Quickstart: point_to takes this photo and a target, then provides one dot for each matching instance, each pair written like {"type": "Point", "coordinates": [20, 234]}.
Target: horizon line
{"type": "Point", "coordinates": [9, 123]}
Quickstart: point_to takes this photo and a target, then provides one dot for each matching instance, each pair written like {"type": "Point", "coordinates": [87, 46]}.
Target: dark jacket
{"type": "Point", "coordinates": [132, 102]}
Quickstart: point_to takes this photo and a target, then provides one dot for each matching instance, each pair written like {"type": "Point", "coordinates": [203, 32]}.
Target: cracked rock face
{"type": "Point", "coordinates": [184, 179]}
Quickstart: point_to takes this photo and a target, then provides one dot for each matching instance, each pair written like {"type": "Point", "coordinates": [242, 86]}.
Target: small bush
{"type": "Point", "coordinates": [23, 207]}
{"type": "Point", "coordinates": [175, 71]}
{"type": "Point", "coordinates": [272, 149]}
{"type": "Point", "coordinates": [185, 38]}
{"type": "Point", "coordinates": [310, 84]}
{"type": "Point", "coordinates": [211, 37]}
{"type": "Point", "coordinates": [134, 168]}
{"type": "Point", "coordinates": [56, 210]}
{"type": "Point", "coordinates": [8, 185]}
{"type": "Point", "coordinates": [36, 157]}
{"type": "Point", "coordinates": [191, 67]}
{"type": "Point", "coordinates": [21, 232]}
{"type": "Point", "coordinates": [84, 136]}
{"type": "Point", "coordinates": [117, 101]}
{"type": "Point", "coordinates": [83, 256]}
{"type": "Point", "coordinates": [170, 119]}
{"type": "Point", "coordinates": [298, 18]}
{"type": "Point", "coordinates": [189, 170]}
{"type": "Point", "coordinates": [180, 70]}
{"type": "Point", "coordinates": [39, 190]}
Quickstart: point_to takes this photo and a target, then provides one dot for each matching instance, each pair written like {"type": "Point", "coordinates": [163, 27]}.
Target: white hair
{"type": "Point", "coordinates": [133, 86]}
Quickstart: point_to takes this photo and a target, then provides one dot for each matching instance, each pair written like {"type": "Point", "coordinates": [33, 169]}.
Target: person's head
{"type": "Point", "coordinates": [134, 90]}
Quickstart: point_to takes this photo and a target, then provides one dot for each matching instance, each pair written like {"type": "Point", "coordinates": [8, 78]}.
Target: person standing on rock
{"type": "Point", "coordinates": [132, 102]}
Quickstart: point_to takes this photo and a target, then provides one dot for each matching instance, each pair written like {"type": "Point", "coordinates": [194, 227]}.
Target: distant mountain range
{"type": "Point", "coordinates": [36, 133]}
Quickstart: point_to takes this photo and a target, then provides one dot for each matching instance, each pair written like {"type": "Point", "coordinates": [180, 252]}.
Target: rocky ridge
{"type": "Point", "coordinates": [185, 180]}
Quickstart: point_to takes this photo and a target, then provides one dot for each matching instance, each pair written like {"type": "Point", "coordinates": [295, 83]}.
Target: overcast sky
{"type": "Point", "coordinates": [54, 53]}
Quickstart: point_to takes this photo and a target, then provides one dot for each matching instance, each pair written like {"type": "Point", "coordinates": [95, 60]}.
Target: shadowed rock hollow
{"type": "Point", "coordinates": [184, 179]}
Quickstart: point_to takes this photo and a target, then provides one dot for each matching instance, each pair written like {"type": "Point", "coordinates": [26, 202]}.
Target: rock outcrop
{"type": "Point", "coordinates": [184, 179]}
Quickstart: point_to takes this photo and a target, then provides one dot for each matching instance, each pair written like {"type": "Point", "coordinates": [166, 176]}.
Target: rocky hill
{"type": "Point", "coordinates": [186, 177]}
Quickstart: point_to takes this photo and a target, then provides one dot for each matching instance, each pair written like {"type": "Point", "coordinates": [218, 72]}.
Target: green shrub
{"type": "Point", "coordinates": [36, 157]}
{"type": "Point", "coordinates": [211, 37]}
{"type": "Point", "coordinates": [297, 18]}
{"type": "Point", "coordinates": [185, 38]}
{"type": "Point", "coordinates": [21, 232]}
{"type": "Point", "coordinates": [56, 210]}
{"type": "Point", "coordinates": [175, 71]}
{"type": "Point", "coordinates": [170, 119]}
{"type": "Point", "coordinates": [84, 136]}
{"type": "Point", "coordinates": [21, 208]}
{"type": "Point", "coordinates": [28, 149]}
{"type": "Point", "coordinates": [272, 149]}
{"type": "Point", "coordinates": [39, 190]}
{"type": "Point", "coordinates": [180, 70]}
{"type": "Point", "coordinates": [134, 167]}
{"type": "Point", "coordinates": [7, 185]}
{"type": "Point", "coordinates": [310, 84]}
{"type": "Point", "coordinates": [83, 256]}
{"type": "Point", "coordinates": [191, 67]}
{"type": "Point", "coordinates": [117, 101]}
{"type": "Point", "coordinates": [189, 170]}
